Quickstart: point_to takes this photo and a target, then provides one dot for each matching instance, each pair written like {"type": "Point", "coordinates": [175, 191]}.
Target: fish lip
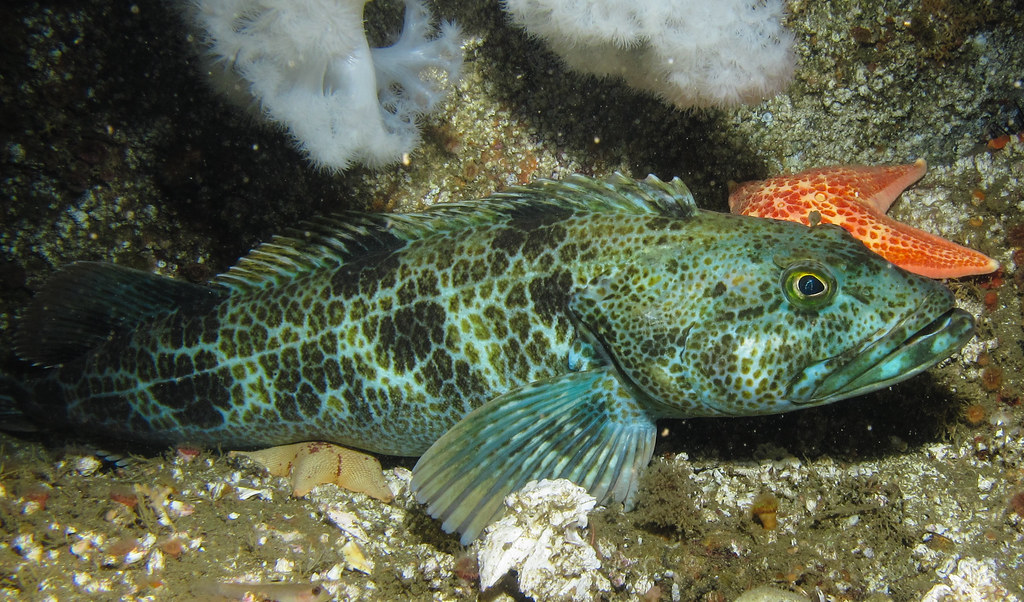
{"type": "Point", "coordinates": [910, 347]}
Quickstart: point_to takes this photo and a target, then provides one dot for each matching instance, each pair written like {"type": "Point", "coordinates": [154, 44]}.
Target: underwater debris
{"type": "Point", "coordinates": [767, 593]}
{"type": "Point", "coordinates": [280, 592]}
{"type": "Point", "coordinates": [972, 581]}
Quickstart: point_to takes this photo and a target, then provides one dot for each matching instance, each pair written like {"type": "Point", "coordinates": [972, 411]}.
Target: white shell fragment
{"type": "Point", "coordinates": [346, 521]}
{"type": "Point", "coordinates": [972, 581]}
{"type": "Point", "coordinates": [539, 537]}
{"type": "Point", "coordinates": [87, 465]}
{"type": "Point", "coordinates": [767, 593]}
{"type": "Point", "coordinates": [355, 558]}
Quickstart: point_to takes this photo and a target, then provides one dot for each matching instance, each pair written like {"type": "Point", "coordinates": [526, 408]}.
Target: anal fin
{"type": "Point", "coordinates": [581, 426]}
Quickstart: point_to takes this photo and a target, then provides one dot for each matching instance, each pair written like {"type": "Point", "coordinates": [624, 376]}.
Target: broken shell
{"type": "Point", "coordinates": [87, 465]}
{"type": "Point", "coordinates": [355, 558]}
{"type": "Point", "coordinates": [245, 493]}
{"type": "Point", "coordinates": [181, 508]}
{"type": "Point", "coordinates": [82, 548]}
{"type": "Point", "coordinates": [216, 489]}
{"type": "Point", "coordinates": [346, 521]}
{"type": "Point", "coordinates": [155, 564]}
{"type": "Point", "coordinates": [283, 565]}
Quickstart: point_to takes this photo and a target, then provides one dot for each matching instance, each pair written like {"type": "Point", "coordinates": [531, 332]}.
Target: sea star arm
{"type": "Point", "coordinates": [856, 198]}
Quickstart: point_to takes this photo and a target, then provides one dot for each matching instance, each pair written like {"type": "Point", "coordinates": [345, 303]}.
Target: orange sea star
{"type": "Point", "coordinates": [315, 463]}
{"type": "Point", "coordinates": [856, 198]}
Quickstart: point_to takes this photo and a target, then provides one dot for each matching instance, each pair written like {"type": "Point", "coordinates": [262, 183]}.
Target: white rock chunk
{"type": "Point", "coordinates": [972, 581]}
{"type": "Point", "coordinates": [539, 537]}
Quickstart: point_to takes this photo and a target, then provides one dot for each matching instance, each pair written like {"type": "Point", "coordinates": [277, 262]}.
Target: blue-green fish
{"type": "Point", "coordinates": [537, 333]}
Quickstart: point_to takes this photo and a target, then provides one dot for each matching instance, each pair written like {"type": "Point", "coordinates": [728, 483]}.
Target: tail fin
{"type": "Point", "coordinates": [80, 307]}
{"type": "Point", "coordinates": [13, 397]}
{"type": "Point", "coordinates": [85, 302]}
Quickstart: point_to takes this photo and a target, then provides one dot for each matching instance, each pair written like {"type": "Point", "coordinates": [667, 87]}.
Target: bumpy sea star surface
{"type": "Point", "coordinates": [856, 198]}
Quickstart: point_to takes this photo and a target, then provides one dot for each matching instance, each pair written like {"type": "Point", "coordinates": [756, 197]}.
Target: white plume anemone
{"type": "Point", "coordinates": [691, 53]}
{"type": "Point", "coordinates": [307, 65]}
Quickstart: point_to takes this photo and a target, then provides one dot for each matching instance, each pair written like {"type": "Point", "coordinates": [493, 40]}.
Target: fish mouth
{"type": "Point", "coordinates": [913, 345]}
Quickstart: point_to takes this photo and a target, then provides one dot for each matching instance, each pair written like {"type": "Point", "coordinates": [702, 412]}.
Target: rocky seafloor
{"type": "Point", "coordinates": [114, 150]}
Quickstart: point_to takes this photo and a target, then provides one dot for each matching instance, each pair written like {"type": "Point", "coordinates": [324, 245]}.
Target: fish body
{"type": "Point", "coordinates": [538, 333]}
{"type": "Point", "coordinates": [856, 198]}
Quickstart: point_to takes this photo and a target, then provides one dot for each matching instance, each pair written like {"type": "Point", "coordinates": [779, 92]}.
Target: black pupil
{"type": "Point", "coordinates": [809, 285]}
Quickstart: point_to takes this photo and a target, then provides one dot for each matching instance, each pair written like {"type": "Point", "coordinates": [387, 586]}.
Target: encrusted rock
{"type": "Point", "coordinates": [539, 537]}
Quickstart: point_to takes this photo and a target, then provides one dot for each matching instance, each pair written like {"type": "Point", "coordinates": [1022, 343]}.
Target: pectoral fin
{"type": "Point", "coordinates": [582, 426]}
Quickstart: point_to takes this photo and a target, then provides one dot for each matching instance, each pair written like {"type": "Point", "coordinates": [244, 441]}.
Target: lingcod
{"type": "Point", "coordinates": [536, 333]}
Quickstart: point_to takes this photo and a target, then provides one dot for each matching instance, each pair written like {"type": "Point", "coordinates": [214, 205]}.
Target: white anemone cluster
{"type": "Point", "coordinates": [691, 53]}
{"type": "Point", "coordinates": [307, 65]}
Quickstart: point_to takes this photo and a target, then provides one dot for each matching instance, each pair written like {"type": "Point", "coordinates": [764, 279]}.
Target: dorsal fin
{"type": "Point", "coordinates": [334, 240]}
{"type": "Point", "coordinates": [84, 303]}
{"type": "Point", "coordinates": [320, 242]}
{"type": "Point", "coordinates": [615, 192]}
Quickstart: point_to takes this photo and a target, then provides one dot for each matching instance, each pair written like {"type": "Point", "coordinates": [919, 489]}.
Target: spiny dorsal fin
{"type": "Point", "coordinates": [615, 192]}
{"type": "Point", "coordinates": [321, 242]}
{"type": "Point", "coordinates": [332, 241]}
{"type": "Point", "coordinates": [85, 302]}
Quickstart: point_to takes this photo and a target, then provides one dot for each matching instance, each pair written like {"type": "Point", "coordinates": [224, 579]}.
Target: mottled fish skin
{"type": "Point", "coordinates": [383, 354]}
{"type": "Point", "coordinates": [383, 332]}
{"type": "Point", "coordinates": [387, 353]}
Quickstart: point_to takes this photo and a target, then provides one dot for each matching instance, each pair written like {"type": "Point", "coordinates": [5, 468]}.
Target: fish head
{"type": "Point", "coordinates": [764, 317]}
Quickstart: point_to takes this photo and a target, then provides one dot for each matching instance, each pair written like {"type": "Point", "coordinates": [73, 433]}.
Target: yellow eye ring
{"type": "Point", "coordinates": [808, 285]}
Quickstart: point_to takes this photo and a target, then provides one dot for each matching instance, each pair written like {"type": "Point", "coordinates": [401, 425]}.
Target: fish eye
{"type": "Point", "coordinates": [808, 285]}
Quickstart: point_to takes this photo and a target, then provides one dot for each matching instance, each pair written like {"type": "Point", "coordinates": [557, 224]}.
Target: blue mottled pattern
{"type": "Point", "coordinates": [383, 332]}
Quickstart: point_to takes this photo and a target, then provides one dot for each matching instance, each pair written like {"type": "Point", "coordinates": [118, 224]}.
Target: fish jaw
{"type": "Point", "coordinates": [913, 345]}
